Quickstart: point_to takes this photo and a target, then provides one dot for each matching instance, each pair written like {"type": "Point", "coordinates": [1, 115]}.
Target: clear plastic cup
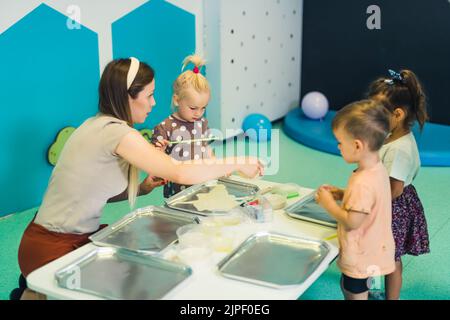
{"type": "Point", "coordinates": [193, 244]}
{"type": "Point", "coordinates": [192, 255]}
{"type": "Point", "coordinates": [191, 234]}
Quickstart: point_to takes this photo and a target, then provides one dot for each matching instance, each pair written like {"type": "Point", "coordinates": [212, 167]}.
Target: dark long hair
{"type": "Point", "coordinates": [112, 90]}
{"type": "Point", "coordinates": [113, 101]}
{"type": "Point", "coordinates": [406, 94]}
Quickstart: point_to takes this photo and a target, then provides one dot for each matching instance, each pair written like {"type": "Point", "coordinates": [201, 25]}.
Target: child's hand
{"type": "Point", "coordinates": [324, 197]}
{"type": "Point", "coordinates": [337, 193]}
{"type": "Point", "coordinates": [151, 183]}
{"type": "Point", "coordinates": [162, 145]}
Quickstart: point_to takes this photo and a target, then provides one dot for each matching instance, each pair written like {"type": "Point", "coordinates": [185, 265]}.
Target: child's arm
{"type": "Point", "coordinates": [160, 138]}
{"type": "Point", "coordinates": [396, 187]}
{"type": "Point", "coordinates": [350, 219]}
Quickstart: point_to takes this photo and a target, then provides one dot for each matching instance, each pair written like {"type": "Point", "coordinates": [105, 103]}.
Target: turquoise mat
{"type": "Point", "coordinates": [425, 277]}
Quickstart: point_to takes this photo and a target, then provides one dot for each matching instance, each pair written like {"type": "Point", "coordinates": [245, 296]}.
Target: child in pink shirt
{"type": "Point", "coordinates": [364, 218]}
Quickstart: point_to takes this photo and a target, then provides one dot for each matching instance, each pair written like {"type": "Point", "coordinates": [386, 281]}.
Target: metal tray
{"type": "Point", "coordinates": [308, 210]}
{"type": "Point", "coordinates": [236, 188]}
{"type": "Point", "coordinates": [113, 273]}
{"type": "Point", "coordinates": [274, 260]}
{"type": "Point", "coordinates": [148, 230]}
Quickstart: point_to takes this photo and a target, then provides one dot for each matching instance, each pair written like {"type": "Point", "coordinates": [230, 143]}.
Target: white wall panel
{"type": "Point", "coordinates": [254, 51]}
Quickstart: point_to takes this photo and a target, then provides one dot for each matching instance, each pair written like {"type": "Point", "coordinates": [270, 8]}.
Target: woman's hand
{"type": "Point", "coordinates": [251, 168]}
{"type": "Point", "coordinates": [162, 145]}
{"type": "Point", "coordinates": [150, 183]}
{"type": "Point", "coordinates": [324, 197]}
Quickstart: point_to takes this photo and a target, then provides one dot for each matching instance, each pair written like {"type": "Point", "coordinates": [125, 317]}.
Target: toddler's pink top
{"type": "Point", "coordinates": [369, 250]}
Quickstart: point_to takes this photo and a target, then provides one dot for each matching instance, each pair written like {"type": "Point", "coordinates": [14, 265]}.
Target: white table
{"type": "Point", "coordinates": [206, 283]}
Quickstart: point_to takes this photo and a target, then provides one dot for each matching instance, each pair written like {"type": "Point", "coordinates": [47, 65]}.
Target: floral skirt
{"type": "Point", "coordinates": [409, 225]}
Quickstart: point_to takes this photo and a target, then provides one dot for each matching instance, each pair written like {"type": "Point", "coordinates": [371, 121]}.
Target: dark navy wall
{"type": "Point", "coordinates": [341, 56]}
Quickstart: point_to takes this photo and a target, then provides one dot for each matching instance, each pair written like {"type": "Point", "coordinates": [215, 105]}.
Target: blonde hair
{"type": "Point", "coordinates": [190, 79]}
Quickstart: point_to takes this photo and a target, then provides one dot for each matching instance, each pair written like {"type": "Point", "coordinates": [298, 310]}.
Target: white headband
{"type": "Point", "coordinates": [132, 72]}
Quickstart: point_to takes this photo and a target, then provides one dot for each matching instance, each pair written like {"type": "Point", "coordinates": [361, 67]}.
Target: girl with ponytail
{"type": "Point", "coordinates": [402, 94]}
{"type": "Point", "coordinates": [186, 126]}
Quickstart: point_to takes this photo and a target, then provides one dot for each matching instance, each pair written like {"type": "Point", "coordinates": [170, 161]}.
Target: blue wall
{"type": "Point", "coordinates": [162, 35]}
{"type": "Point", "coordinates": [49, 77]}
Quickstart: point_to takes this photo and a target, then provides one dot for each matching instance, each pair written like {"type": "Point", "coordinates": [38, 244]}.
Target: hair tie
{"type": "Point", "coordinates": [132, 71]}
{"type": "Point", "coordinates": [395, 76]}
{"type": "Point", "coordinates": [196, 70]}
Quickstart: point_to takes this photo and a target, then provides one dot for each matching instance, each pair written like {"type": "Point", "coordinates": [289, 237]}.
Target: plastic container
{"type": "Point", "coordinates": [193, 254]}
{"type": "Point", "coordinates": [191, 235]}
{"type": "Point", "coordinates": [259, 210]}
{"type": "Point", "coordinates": [220, 234]}
{"type": "Point", "coordinates": [223, 240]}
{"type": "Point", "coordinates": [193, 244]}
{"type": "Point", "coordinates": [288, 190]}
{"type": "Point", "coordinates": [233, 218]}
{"type": "Point", "coordinates": [267, 211]}
{"type": "Point", "coordinates": [276, 201]}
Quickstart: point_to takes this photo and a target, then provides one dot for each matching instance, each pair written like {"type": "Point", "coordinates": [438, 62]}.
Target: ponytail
{"type": "Point", "coordinates": [418, 105]}
{"type": "Point", "coordinates": [190, 78]}
{"type": "Point", "coordinates": [195, 59]}
{"type": "Point", "coordinates": [401, 90]}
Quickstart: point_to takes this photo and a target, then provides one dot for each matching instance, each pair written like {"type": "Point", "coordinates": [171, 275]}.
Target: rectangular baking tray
{"type": "Point", "coordinates": [112, 273]}
{"type": "Point", "coordinates": [308, 210]}
{"type": "Point", "coordinates": [238, 189]}
{"type": "Point", "coordinates": [147, 230]}
{"type": "Point", "coordinates": [274, 260]}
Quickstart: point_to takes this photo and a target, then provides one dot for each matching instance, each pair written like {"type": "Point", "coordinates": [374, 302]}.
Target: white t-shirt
{"type": "Point", "coordinates": [401, 158]}
{"type": "Point", "coordinates": [87, 174]}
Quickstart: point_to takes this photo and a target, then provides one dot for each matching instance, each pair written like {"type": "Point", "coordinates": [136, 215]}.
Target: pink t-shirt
{"type": "Point", "coordinates": [369, 250]}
